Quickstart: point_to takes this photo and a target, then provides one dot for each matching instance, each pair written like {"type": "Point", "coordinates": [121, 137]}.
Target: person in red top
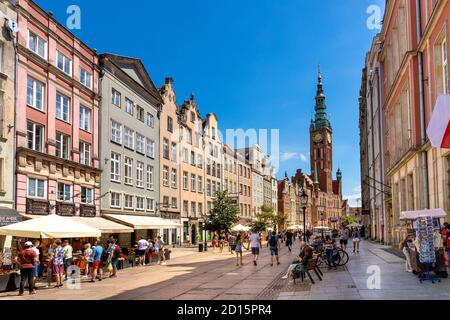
{"type": "Point", "coordinates": [27, 258]}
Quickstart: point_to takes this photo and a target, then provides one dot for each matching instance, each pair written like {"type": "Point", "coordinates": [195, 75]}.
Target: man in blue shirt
{"type": "Point", "coordinates": [97, 252]}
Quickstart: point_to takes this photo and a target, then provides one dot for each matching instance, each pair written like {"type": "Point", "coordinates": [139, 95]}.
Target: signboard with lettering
{"type": "Point", "coordinates": [65, 209]}
{"type": "Point", "coordinates": [9, 216]}
{"type": "Point", "coordinates": [87, 210]}
{"type": "Point", "coordinates": [38, 207]}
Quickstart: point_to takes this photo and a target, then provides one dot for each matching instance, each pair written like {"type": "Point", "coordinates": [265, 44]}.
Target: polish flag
{"type": "Point", "coordinates": [438, 130]}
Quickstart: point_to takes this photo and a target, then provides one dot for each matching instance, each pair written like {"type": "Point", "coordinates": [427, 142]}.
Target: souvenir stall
{"type": "Point", "coordinates": [428, 255]}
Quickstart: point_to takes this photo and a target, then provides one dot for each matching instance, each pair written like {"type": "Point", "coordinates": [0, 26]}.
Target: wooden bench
{"type": "Point", "coordinates": [312, 266]}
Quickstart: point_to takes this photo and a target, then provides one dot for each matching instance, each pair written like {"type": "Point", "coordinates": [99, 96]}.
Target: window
{"type": "Point", "coordinates": [128, 170]}
{"type": "Point", "coordinates": [150, 148]}
{"type": "Point", "coordinates": [85, 118]}
{"type": "Point", "coordinates": [140, 203]}
{"type": "Point", "coordinates": [185, 181]}
{"type": "Point", "coordinates": [62, 146]}
{"type": "Point", "coordinates": [185, 155]}
{"type": "Point", "coordinates": [139, 174]}
{"type": "Point", "coordinates": [86, 195]}
{"type": "Point", "coordinates": [200, 209]}
{"type": "Point", "coordinates": [115, 200]}
{"type": "Point", "coordinates": [213, 188]}
{"type": "Point", "coordinates": [37, 44]}
{"type": "Point", "coordinates": [150, 204]}
{"type": "Point", "coordinates": [197, 140]}
{"type": "Point", "coordinates": [193, 208]}
{"type": "Point", "coordinates": [115, 167]}
{"type": "Point", "coordinates": [86, 78]}
{"type": "Point", "coordinates": [85, 153]}
{"type": "Point", "coordinates": [62, 107]}
{"type": "Point", "coordinates": [63, 63]}
{"type": "Point", "coordinates": [193, 158]}
{"type": "Point", "coordinates": [150, 120]}
{"type": "Point", "coordinates": [200, 183]}
{"type": "Point", "coordinates": [166, 176]}
{"type": "Point", "coordinates": [192, 117]}
{"type": "Point", "coordinates": [128, 201]}
{"type": "Point", "coordinates": [140, 143]}
{"type": "Point", "coordinates": [64, 192]}
{"type": "Point", "coordinates": [444, 66]}
{"type": "Point", "coordinates": [208, 166]}
{"type": "Point", "coordinates": [140, 113]}
{"type": "Point", "coordinates": [208, 187]}
{"type": "Point", "coordinates": [166, 148]}
{"type": "Point", "coordinates": [35, 94]}
{"type": "Point", "coordinates": [129, 138]}
{"type": "Point", "coordinates": [174, 202]}
{"type": "Point", "coordinates": [165, 202]}
{"type": "Point", "coordinates": [36, 188]}
{"type": "Point", "coordinates": [193, 182]}
{"type": "Point", "coordinates": [169, 124]}
{"type": "Point", "coordinates": [149, 177]}
{"type": "Point", "coordinates": [185, 208]}
{"type": "Point", "coordinates": [174, 178]}
{"type": "Point", "coordinates": [129, 106]}
{"type": "Point", "coordinates": [174, 152]}
{"type": "Point", "coordinates": [199, 161]}
{"type": "Point", "coordinates": [116, 98]}
{"type": "Point", "coordinates": [116, 132]}
{"type": "Point", "coordinates": [218, 171]}
{"type": "Point", "coordinates": [213, 131]}
{"type": "Point", "coordinates": [35, 136]}
{"type": "Point", "coordinates": [189, 136]}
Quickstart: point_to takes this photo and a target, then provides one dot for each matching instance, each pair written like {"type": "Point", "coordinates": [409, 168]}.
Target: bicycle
{"type": "Point", "coordinates": [340, 257]}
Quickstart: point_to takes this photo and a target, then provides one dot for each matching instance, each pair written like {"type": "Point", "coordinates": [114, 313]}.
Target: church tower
{"type": "Point", "coordinates": [321, 146]}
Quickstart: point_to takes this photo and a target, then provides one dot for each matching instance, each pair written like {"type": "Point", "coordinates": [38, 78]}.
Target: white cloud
{"type": "Point", "coordinates": [353, 199]}
{"type": "Point", "coordinates": [288, 156]}
{"type": "Point", "coordinates": [357, 189]}
{"type": "Point", "coordinates": [303, 157]}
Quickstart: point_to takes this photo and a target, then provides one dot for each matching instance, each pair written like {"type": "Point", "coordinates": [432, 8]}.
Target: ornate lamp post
{"type": "Point", "coordinates": [321, 220]}
{"type": "Point", "coordinates": [304, 203]}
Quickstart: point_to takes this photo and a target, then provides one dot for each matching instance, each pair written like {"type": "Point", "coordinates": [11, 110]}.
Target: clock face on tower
{"type": "Point", "coordinates": [317, 137]}
{"type": "Point", "coordinates": [329, 137]}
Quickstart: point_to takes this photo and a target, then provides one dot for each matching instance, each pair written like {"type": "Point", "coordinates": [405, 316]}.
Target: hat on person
{"type": "Point", "coordinates": [28, 244]}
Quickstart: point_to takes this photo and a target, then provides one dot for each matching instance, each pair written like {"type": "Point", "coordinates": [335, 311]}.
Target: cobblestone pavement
{"type": "Point", "coordinates": [350, 282]}
{"type": "Point", "coordinates": [189, 275]}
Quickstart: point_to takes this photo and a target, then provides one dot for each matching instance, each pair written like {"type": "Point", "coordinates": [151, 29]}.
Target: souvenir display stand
{"type": "Point", "coordinates": [427, 255]}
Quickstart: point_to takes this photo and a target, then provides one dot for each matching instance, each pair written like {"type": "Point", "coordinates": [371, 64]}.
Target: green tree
{"type": "Point", "coordinates": [264, 219]}
{"type": "Point", "coordinates": [348, 220]}
{"type": "Point", "coordinates": [223, 214]}
{"type": "Point", "coordinates": [280, 220]}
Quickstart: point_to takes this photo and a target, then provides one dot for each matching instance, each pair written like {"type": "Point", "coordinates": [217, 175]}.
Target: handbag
{"type": "Point", "coordinates": [109, 267]}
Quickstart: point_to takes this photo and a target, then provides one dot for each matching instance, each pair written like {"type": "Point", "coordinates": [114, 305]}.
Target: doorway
{"type": "Point", "coordinates": [194, 234]}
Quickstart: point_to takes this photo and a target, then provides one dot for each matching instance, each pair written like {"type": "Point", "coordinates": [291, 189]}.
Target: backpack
{"type": "Point", "coordinates": [105, 255]}
{"type": "Point", "coordinates": [117, 251]}
{"type": "Point", "coordinates": [273, 241]}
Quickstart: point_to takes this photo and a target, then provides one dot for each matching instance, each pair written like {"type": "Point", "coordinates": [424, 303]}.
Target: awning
{"type": "Point", "coordinates": [9, 216]}
{"type": "Point", "coordinates": [104, 225]}
{"type": "Point", "coordinates": [433, 213]}
{"type": "Point", "coordinates": [51, 226]}
{"type": "Point", "coordinates": [143, 222]}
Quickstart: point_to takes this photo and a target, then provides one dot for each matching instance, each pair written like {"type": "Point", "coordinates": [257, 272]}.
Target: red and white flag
{"type": "Point", "coordinates": [438, 130]}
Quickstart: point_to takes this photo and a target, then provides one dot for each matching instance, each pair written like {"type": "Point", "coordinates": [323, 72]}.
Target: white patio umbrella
{"type": "Point", "coordinates": [354, 224]}
{"type": "Point", "coordinates": [321, 227]}
{"type": "Point", "coordinates": [240, 227]}
{"type": "Point", "coordinates": [51, 226]}
{"type": "Point", "coordinates": [295, 227]}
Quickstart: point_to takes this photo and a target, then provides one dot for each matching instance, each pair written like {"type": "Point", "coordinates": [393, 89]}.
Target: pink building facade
{"type": "Point", "coordinates": [57, 118]}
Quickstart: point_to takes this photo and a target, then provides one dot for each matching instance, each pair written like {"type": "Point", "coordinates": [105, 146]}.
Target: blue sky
{"type": "Point", "coordinates": [252, 62]}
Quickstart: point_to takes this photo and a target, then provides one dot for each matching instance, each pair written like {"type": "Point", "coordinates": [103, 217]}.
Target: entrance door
{"type": "Point", "coordinates": [194, 235]}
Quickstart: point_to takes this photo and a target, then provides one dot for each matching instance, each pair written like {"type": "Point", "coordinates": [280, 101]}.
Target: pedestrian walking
{"type": "Point", "coordinates": [214, 241]}
{"type": "Point", "coordinates": [49, 267]}
{"type": "Point", "coordinates": [404, 246]}
{"type": "Point", "coordinates": [142, 249]}
{"type": "Point", "coordinates": [109, 256]}
{"type": "Point", "coordinates": [58, 263]}
{"type": "Point", "coordinates": [355, 239]}
{"type": "Point", "coordinates": [97, 266]}
{"type": "Point", "coordinates": [289, 236]}
{"type": "Point", "coordinates": [238, 250]}
{"type": "Point", "coordinates": [27, 259]}
{"type": "Point", "coordinates": [116, 251]}
{"type": "Point", "coordinates": [37, 266]}
{"type": "Point", "coordinates": [221, 240]}
{"type": "Point", "coordinates": [255, 244]}
{"type": "Point", "coordinates": [344, 235]}
{"type": "Point", "coordinates": [232, 243]}
{"type": "Point", "coordinates": [274, 245]}
{"type": "Point", "coordinates": [150, 251]}
{"type": "Point", "coordinates": [68, 257]}
{"type": "Point", "coordinates": [330, 245]}
{"type": "Point", "coordinates": [88, 259]}
{"type": "Point", "coordinates": [161, 254]}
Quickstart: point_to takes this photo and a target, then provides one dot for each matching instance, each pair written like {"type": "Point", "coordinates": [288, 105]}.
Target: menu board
{"type": "Point", "coordinates": [425, 231]}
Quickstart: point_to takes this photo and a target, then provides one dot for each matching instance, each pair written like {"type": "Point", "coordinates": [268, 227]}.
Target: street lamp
{"type": "Point", "coordinates": [321, 220]}
{"type": "Point", "coordinates": [304, 203]}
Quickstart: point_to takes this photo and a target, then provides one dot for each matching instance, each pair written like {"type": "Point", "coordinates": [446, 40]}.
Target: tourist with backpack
{"type": "Point", "coordinates": [115, 255]}
{"type": "Point", "coordinates": [274, 244]}
{"type": "Point", "coordinates": [97, 266]}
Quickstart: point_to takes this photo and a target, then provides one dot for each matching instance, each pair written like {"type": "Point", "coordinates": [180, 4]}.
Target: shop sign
{"type": "Point", "coordinates": [87, 211]}
{"type": "Point", "coordinates": [65, 209]}
{"type": "Point", "coordinates": [38, 207]}
{"type": "Point", "coordinates": [9, 216]}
